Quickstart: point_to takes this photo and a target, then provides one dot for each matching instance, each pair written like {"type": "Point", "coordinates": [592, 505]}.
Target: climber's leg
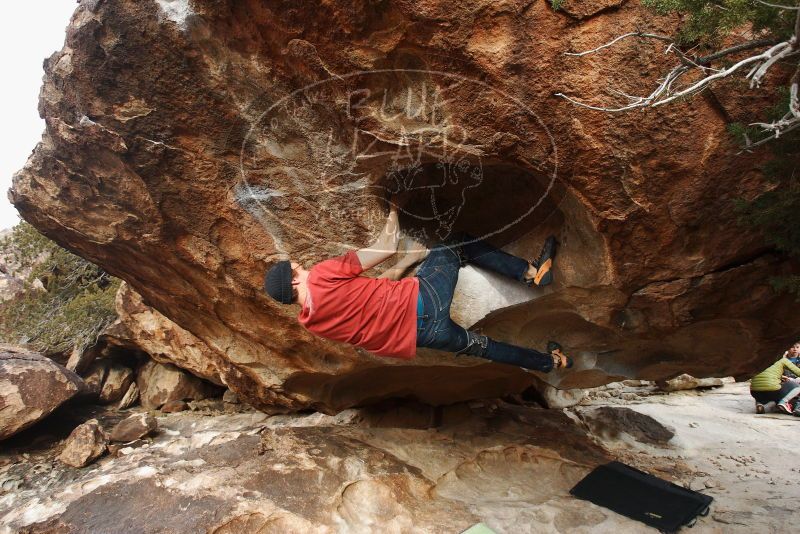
{"type": "Point", "coordinates": [483, 254]}
{"type": "Point", "coordinates": [492, 258]}
{"type": "Point", "coordinates": [438, 275]}
{"type": "Point", "coordinates": [445, 334]}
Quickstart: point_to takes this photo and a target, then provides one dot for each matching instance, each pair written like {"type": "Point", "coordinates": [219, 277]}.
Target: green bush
{"type": "Point", "coordinates": [77, 301]}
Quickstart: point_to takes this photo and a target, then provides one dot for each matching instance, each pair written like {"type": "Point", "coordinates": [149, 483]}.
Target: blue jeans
{"type": "Point", "coordinates": [438, 275]}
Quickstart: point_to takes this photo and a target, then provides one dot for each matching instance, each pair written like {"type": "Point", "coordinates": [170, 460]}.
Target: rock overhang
{"type": "Point", "coordinates": [186, 155]}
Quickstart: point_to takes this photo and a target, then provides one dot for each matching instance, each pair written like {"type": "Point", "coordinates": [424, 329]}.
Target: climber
{"type": "Point", "coordinates": [769, 386]}
{"type": "Point", "coordinates": [390, 316]}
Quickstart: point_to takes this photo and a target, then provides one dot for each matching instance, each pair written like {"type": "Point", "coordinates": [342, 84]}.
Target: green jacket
{"type": "Point", "coordinates": [770, 378]}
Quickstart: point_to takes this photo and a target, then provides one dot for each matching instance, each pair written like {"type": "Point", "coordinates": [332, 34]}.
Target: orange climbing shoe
{"type": "Point", "coordinates": [560, 360]}
{"type": "Point", "coordinates": [544, 263]}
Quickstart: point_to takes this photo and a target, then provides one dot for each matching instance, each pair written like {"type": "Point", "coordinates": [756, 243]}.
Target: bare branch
{"type": "Point", "coordinates": [734, 49]}
{"type": "Point", "coordinates": [621, 37]}
{"type": "Point", "coordinates": [780, 50]}
{"type": "Point", "coordinates": [772, 137]}
{"type": "Point", "coordinates": [779, 6]}
{"type": "Point", "coordinates": [756, 67]}
{"type": "Point", "coordinates": [794, 103]}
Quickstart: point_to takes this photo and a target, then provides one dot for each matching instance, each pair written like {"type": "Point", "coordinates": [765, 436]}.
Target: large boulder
{"type": "Point", "coordinates": [190, 145]}
{"type": "Point", "coordinates": [141, 327]}
{"type": "Point", "coordinates": [31, 387]}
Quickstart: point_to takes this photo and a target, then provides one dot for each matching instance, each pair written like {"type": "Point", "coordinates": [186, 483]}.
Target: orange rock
{"type": "Point", "coordinates": [187, 150]}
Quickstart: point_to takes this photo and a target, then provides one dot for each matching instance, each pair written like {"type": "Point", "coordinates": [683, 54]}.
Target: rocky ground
{"type": "Point", "coordinates": [406, 467]}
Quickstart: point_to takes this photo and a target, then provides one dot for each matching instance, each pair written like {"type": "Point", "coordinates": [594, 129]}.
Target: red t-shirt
{"type": "Point", "coordinates": [376, 314]}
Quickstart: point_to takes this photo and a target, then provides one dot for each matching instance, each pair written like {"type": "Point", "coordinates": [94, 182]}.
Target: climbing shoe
{"type": "Point", "coordinates": [544, 264]}
{"type": "Point", "coordinates": [760, 408]}
{"type": "Point", "coordinates": [560, 360]}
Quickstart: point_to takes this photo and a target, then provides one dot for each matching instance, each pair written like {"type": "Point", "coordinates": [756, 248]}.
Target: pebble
{"type": "Point", "coordinates": [693, 425]}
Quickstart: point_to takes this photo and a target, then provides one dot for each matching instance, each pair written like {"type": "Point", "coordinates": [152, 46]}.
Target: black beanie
{"type": "Point", "coordinates": [278, 282]}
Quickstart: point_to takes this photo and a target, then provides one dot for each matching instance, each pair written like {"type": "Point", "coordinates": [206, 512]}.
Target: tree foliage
{"type": "Point", "coordinates": [708, 22]}
{"type": "Point", "coordinates": [74, 303]}
{"type": "Point", "coordinates": [776, 212]}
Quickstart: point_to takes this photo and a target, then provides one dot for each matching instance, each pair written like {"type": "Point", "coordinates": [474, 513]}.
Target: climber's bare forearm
{"type": "Point", "coordinates": [385, 246]}
{"type": "Point", "coordinates": [395, 272]}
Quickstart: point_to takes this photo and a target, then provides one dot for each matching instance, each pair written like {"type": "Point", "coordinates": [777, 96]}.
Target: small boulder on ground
{"type": "Point", "coordinates": [134, 427]}
{"type": "Point", "coordinates": [130, 397]}
{"type": "Point", "coordinates": [557, 399]}
{"type": "Point", "coordinates": [118, 379]}
{"type": "Point", "coordinates": [160, 383]}
{"type": "Point", "coordinates": [686, 382]}
{"type": "Point", "coordinates": [230, 397]}
{"type": "Point", "coordinates": [612, 421]}
{"type": "Point", "coordinates": [31, 387]}
{"type": "Point", "coordinates": [84, 445]}
{"type": "Point", "coordinates": [95, 375]}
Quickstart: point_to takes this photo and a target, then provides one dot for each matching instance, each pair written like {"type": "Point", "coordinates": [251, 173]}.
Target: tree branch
{"type": "Point", "coordinates": [734, 49]}
{"type": "Point", "coordinates": [668, 89]}
{"type": "Point", "coordinates": [779, 6]}
{"type": "Point", "coordinates": [621, 37]}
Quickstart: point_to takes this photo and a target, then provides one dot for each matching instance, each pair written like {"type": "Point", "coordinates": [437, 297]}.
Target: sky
{"type": "Point", "coordinates": [30, 31]}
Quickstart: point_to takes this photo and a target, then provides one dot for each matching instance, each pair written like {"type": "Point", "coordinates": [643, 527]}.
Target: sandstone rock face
{"type": "Point", "coordinates": [108, 380]}
{"type": "Point", "coordinates": [190, 144]}
{"type": "Point", "coordinates": [31, 386]}
{"type": "Point", "coordinates": [161, 383]}
{"type": "Point", "coordinates": [95, 375]}
{"type": "Point", "coordinates": [143, 327]}
{"type": "Point", "coordinates": [313, 473]}
{"type": "Point", "coordinates": [80, 359]}
{"type": "Point", "coordinates": [84, 445]}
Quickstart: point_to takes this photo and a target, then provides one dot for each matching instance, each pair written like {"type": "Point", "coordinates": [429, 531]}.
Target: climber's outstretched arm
{"type": "Point", "coordinates": [395, 272]}
{"type": "Point", "coordinates": [386, 244]}
{"type": "Point", "coordinates": [415, 252]}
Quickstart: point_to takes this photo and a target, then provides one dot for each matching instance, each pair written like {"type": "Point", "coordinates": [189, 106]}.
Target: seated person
{"type": "Point", "coordinates": [793, 355]}
{"type": "Point", "coordinates": [768, 386]}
